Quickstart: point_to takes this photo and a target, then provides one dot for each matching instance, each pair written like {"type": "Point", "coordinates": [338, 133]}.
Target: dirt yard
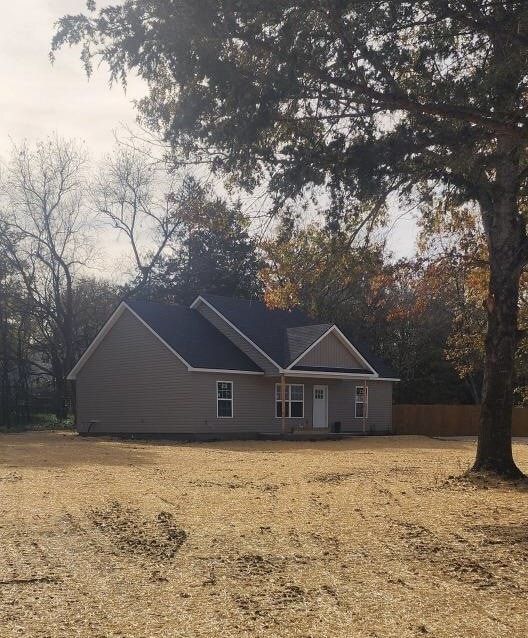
{"type": "Point", "coordinates": [363, 537]}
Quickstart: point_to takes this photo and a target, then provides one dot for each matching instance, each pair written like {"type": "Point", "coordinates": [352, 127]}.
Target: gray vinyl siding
{"type": "Point", "coordinates": [132, 383]}
{"type": "Point", "coordinates": [239, 341]}
{"type": "Point", "coordinates": [330, 352]}
{"type": "Point", "coordinates": [342, 406]}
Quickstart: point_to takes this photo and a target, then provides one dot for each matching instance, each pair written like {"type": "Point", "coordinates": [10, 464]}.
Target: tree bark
{"type": "Point", "coordinates": [494, 451]}
{"type": "Point", "coordinates": [506, 234]}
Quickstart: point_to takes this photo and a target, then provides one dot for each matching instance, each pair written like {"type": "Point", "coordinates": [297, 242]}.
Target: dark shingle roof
{"type": "Point", "coordinates": [283, 334]}
{"type": "Point", "coordinates": [279, 333]}
{"type": "Point", "coordinates": [193, 337]}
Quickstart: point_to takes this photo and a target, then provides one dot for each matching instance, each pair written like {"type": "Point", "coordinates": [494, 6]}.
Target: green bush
{"type": "Point", "coordinates": [50, 422]}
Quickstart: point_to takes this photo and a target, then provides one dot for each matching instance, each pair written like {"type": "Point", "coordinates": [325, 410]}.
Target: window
{"type": "Point", "coordinates": [294, 401]}
{"type": "Point", "coordinates": [224, 399]}
{"type": "Point", "coordinates": [361, 402]}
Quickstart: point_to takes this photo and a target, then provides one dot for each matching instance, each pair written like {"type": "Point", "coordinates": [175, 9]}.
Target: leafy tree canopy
{"type": "Point", "coordinates": [211, 252]}
{"type": "Point", "coordinates": [392, 307]}
{"type": "Point", "coordinates": [351, 95]}
{"type": "Point", "coordinates": [453, 267]}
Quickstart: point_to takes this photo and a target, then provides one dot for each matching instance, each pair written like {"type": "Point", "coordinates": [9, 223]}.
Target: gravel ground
{"type": "Point", "coordinates": [360, 537]}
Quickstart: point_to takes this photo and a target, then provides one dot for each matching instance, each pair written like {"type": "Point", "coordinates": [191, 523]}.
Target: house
{"type": "Point", "coordinates": [227, 367]}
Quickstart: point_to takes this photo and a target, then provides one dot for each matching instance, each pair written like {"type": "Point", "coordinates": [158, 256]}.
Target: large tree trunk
{"type": "Point", "coordinates": [494, 452]}
{"type": "Point", "coordinates": [506, 235]}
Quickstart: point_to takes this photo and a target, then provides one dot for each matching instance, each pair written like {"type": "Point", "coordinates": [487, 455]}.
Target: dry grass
{"type": "Point", "coordinates": [363, 537]}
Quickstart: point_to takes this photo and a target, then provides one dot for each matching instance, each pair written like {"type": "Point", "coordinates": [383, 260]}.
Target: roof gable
{"type": "Point", "coordinates": [188, 333]}
{"type": "Point", "coordinates": [331, 352]}
{"type": "Point", "coordinates": [281, 334]}
{"type": "Point", "coordinates": [286, 338]}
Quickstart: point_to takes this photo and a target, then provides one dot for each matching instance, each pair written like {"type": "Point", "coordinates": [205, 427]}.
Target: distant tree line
{"type": "Point", "coordinates": [422, 315]}
{"type": "Point", "coordinates": [182, 238]}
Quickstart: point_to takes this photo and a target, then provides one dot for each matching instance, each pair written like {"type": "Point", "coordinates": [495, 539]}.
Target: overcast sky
{"type": "Point", "coordinates": [38, 98]}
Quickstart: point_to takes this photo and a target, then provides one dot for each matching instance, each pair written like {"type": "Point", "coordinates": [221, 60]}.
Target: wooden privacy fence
{"type": "Point", "coordinates": [447, 420]}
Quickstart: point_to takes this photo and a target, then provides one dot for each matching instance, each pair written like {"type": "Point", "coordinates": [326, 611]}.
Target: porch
{"type": "Point", "coordinates": [314, 406]}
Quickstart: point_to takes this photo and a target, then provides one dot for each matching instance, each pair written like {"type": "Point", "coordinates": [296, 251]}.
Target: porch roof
{"type": "Point", "coordinates": [325, 369]}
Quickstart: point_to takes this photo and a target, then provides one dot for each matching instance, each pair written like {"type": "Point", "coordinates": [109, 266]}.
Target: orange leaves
{"type": "Point", "coordinates": [453, 249]}
{"type": "Point", "coordinates": [319, 270]}
{"type": "Point", "coordinates": [278, 295]}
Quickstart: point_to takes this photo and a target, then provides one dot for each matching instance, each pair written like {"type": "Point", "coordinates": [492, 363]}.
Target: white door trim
{"type": "Point", "coordinates": [325, 388]}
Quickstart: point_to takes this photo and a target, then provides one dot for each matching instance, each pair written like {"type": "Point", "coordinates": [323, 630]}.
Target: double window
{"type": "Point", "coordinates": [293, 400]}
{"type": "Point", "coordinates": [224, 399]}
{"type": "Point", "coordinates": [361, 402]}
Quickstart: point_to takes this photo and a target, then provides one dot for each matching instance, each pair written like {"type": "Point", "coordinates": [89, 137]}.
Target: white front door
{"type": "Point", "coordinates": [320, 406]}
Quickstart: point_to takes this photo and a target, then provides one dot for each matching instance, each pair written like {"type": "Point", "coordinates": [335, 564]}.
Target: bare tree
{"type": "Point", "coordinates": [141, 202]}
{"type": "Point", "coordinates": [46, 240]}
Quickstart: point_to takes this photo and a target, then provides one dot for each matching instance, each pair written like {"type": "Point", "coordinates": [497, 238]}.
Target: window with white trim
{"type": "Point", "coordinates": [293, 401]}
{"type": "Point", "coordinates": [361, 401]}
{"type": "Point", "coordinates": [224, 399]}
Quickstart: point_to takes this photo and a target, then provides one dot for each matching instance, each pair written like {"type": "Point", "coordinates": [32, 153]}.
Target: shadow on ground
{"type": "Point", "coordinates": [60, 449]}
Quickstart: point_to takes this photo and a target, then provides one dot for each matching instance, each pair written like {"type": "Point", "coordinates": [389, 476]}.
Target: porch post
{"type": "Point", "coordinates": [283, 403]}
